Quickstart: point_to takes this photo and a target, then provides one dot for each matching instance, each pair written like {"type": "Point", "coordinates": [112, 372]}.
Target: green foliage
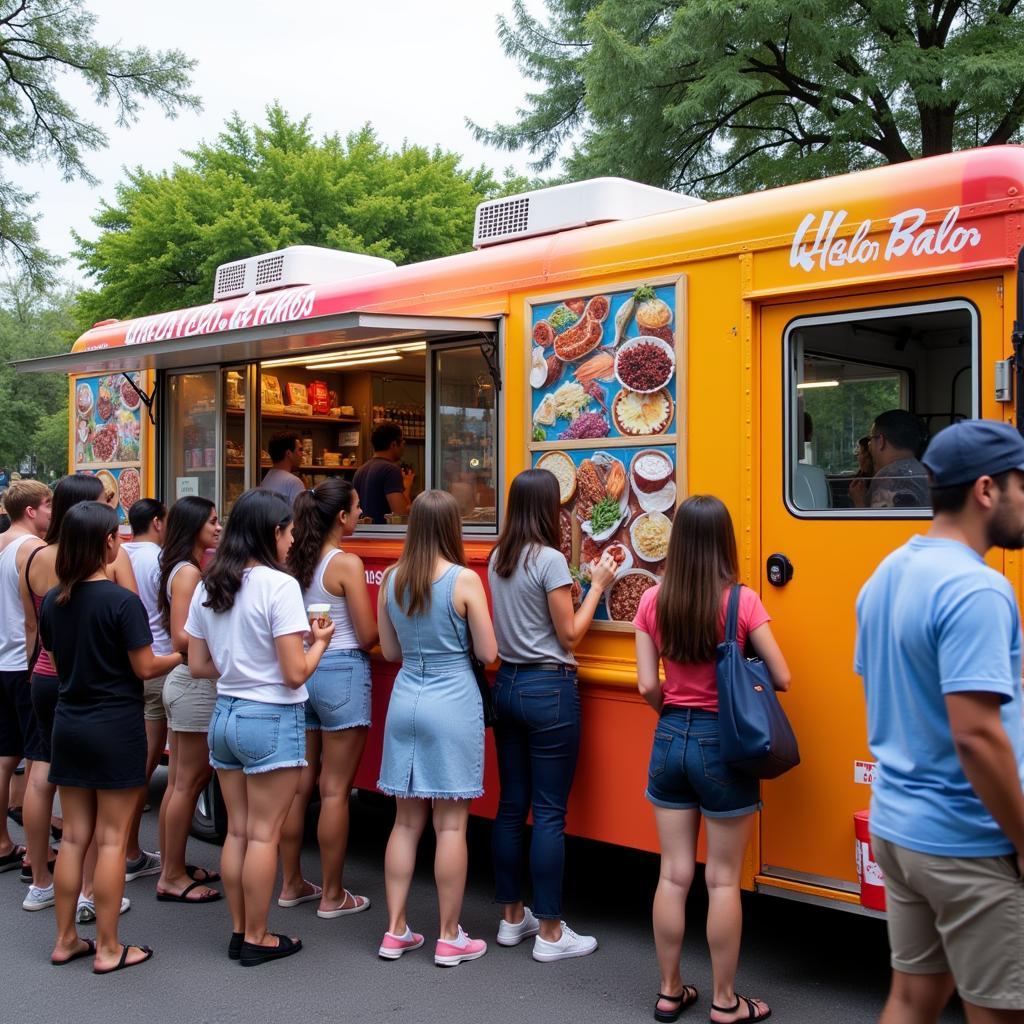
{"type": "Point", "coordinates": [262, 187]}
{"type": "Point", "coordinates": [842, 415]}
{"type": "Point", "coordinates": [33, 407]}
{"type": "Point", "coordinates": [718, 98]}
{"type": "Point", "coordinates": [42, 43]}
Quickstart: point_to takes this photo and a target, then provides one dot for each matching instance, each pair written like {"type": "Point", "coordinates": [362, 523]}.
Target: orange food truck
{"type": "Point", "coordinates": [642, 345]}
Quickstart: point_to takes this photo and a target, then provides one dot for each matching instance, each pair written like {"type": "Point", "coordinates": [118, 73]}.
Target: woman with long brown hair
{"type": "Point", "coordinates": [430, 610]}
{"type": "Point", "coordinates": [538, 730]}
{"type": "Point", "coordinates": [98, 634]}
{"type": "Point", "coordinates": [680, 623]}
{"type": "Point", "coordinates": [338, 709]}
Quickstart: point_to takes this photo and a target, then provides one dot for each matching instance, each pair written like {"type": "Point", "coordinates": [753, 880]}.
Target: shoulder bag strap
{"type": "Point", "coordinates": [733, 614]}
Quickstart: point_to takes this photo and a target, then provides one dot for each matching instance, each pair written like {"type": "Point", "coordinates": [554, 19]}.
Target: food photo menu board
{"type": "Point", "coordinates": [108, 435]}
{"type": "Point", "coordinates": [604, 413]}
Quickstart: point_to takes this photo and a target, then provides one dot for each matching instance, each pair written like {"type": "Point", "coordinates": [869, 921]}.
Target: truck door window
{"type": "Point", "coordinates": [866, 391]}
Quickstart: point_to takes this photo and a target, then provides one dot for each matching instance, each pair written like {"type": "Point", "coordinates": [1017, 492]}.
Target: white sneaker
{"type": "Point", "coordinates": [85, 912]}
{"type": "Point", "coordinates": [513, 934]}
{"type": "Point", "coordinates": [39, 898]}
{"type": "Point", "coordinates": [147, 864]}
{"type": "Point", "coordinates": [569, 945]}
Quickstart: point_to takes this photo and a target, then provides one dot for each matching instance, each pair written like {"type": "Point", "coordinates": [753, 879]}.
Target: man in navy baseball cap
{"type": "Point", "coordinates": [939, 648]}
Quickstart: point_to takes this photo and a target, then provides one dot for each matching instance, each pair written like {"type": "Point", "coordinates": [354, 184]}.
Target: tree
{"type": "Point", "coordinates": [33, 407]}
{"type": "Point", "coordinates": [717, 98]}
{"type": "Point", "coordinates": [42, 43]}
{"type": "Point", "coordinates": [262, 187]}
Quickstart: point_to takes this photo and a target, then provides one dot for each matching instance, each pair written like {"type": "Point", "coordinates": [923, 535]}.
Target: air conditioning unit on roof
{"type": "Point", "coordinates": [296, 265]}
{"type": "Point", "coordinates": [561, 207]}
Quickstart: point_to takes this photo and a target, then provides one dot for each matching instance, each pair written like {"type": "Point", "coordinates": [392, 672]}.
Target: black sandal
{"type": "Point", "coordinates": [235, 945]}
{"type": "Point", "coordinates": [252, 954]}
{"type": "Point", "coordinates": [123, 964]}
{"type": "Point", "coordinates": [685, 1000]}
{"type": "Point", "coordinates": [12, 860]}
{"type": "Point", "coordinates": [752, 1015]}
{"type": "Point", "coordinates": [183, 897]}
{"type": "Point", "coordinates": [90, 950]}
{"type": "Point", "coordinates": [200, 874]}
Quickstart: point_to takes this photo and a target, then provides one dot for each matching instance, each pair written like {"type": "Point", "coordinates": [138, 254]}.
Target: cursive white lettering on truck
{"type": "Point", "coordinates": [817, 246]}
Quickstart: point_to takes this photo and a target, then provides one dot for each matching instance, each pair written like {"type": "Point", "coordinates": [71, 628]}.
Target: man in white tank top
{"type": "Point", "coordinates": [28, 504]}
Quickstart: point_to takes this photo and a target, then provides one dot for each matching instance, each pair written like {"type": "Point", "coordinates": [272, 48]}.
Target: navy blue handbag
{"type": "Point", "coordinates": [755, 736]}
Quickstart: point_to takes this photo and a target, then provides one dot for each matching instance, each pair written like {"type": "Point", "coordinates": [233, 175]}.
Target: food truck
{"type": "Point", "coordinates": [643, 346]}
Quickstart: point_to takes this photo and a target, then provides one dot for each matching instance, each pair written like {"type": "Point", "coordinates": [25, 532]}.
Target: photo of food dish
{"type": "Point", "coordinates": [130, 484]}
{"type": "Point", "coordinates": [83, 398]}
{"type": "Point", "coordinates": [108, 422]}
{"type": "Point", "coordinates": [564, 470]}
{"type": "Point", "coordinates": [639, 415]}
{"type": "Point", "coordinates": [649, 535]}
{"type": "Point", "coordinates": [622, 598]}
{"type": "Point", "coordinates": [595, 371]}
{"type": "Point", "coordinates": [603, 495]}
{"type": "Point", "coordinates": [129, 396]}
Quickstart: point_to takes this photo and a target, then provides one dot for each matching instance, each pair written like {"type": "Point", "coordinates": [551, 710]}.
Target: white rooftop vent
{"type": "Point", "coordinates": [298, 264]}
{"type": "Point", "coordinates": [571, 206]}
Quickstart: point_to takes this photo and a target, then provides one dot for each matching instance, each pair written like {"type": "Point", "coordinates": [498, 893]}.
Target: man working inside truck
{"type": "Point", "coordinates": [382, 486]}
{"type": "Point", "coordinates": [285, 454]}
{"type": "Point", "coordinates": [895, 443]}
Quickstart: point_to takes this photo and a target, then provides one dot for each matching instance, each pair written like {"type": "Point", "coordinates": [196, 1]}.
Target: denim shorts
{"type": "Point", "coordinates": [687, 771]}
{"type": "Point", "coordinates": [256, 737]}
{"type": "Point", "coordinates": [339, 692]}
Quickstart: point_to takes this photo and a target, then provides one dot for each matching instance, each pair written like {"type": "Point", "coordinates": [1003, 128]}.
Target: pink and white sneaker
{"type": "Point", "coordinates": [450, 952]}
{"type": "Point", "coordinates": [393, 946]}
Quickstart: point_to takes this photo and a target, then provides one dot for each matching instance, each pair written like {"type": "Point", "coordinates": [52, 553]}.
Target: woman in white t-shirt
{"type": "Point", "coordinates": [246, 627]}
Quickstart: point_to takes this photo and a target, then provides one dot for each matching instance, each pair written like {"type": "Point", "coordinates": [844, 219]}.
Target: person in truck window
{"type": "Point", "coordinates": [895, 443]}
{"type": "Point", "coordinates": [98, 634]}
{"type": "Point", "coordinates": [285, 455]}
{"type": "Point", "coordinates": [383, 486]}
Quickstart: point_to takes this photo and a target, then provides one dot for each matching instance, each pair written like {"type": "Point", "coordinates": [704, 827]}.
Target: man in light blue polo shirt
{"type": "Point", "coordinates": [939, 647]}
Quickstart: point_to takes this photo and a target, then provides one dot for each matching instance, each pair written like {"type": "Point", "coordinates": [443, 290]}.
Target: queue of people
{"type": "Point", "coordinates": [263, 657]}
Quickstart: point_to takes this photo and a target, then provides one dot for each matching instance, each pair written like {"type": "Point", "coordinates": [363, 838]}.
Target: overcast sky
{"type": "Point", "coordinates": [414, 70]}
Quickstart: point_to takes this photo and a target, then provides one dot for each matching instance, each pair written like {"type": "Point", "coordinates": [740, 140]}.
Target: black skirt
{"type": "Point", "coordinates": [99, 747]}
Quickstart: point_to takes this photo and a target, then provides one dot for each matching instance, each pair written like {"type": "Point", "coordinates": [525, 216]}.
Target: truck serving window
{"type": "Point", "coordinates": [866, 391]}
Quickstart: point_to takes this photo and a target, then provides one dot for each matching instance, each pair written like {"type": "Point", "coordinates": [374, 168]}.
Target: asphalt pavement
{"type": "Point", "coordinates": [811, 964]}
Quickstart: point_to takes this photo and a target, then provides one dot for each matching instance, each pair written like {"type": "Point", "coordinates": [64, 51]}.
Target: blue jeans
{"type": "Point", "coordinates": [686, 770]}
{"type": "Point", "coordinates": [537, 736]}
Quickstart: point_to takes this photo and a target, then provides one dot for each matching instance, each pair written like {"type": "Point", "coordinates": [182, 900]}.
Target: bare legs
{"type": "Point", "coordinates": [103, 815]}
{"type": "Point", "coordinates": [192, 772]}
{"type": "Point", "coordinates": [677, 836]}
{"type": "Point", "coordinates": [37, 813]}
{"type": "Point", "coordinates": [293, 884]}
{"type": "Point", "coordinates": [7, 766]}
{"type": "Point", "coordinates": [156, 740]}
{"type": "Point", "coordinates": [256, 805]}
{"type": "Point", "coordinates": [450, 820]}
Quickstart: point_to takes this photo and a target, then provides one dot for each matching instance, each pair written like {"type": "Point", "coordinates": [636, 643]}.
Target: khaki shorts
{"type": "Point", "coordinates": [153, 690]}
{"type": "Point", "coordinates": [189, 701]}
{"type": "Point", "coordinates": [962, 915]}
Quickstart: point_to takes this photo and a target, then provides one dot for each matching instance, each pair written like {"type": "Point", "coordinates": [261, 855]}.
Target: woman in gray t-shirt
{"type": "Point", "coordinates": [537, 734]}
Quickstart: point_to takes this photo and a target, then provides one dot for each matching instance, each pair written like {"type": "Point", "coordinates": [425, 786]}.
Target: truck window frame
{"type": "Point", "coordinates": [789, 431]}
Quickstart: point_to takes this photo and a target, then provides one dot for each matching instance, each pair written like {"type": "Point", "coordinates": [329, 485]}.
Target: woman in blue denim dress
{"type": "Point", "coordinates": [338, 708]}
{"type": "Point", "coordinates": [537, 734]}
{"type": "Point", "coordinates": [679, 623]}
{"type": "Point", "coordinates": [431, 607]}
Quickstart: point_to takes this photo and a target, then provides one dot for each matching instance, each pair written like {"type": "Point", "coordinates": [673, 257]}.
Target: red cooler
{"type": "Point", "coordinates": [869, 874]}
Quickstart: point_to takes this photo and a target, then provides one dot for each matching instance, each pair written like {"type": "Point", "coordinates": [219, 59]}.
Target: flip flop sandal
{"type": "Point", "coordinates": [752, 1015]}
{"type": "Point", "coordinates": [123, 964]}
{"type": "Point", "coordinates": [12, 860]}
{"type": "Point", "coordinates": [359, 904]}
{"type": "Point", "coordinates": [253, 955]}
{"type": "Point", "coordinates": [193, 872]}
{"type": "Point", "coordinates": [235, 945]}
{"type": "Point", "coordinates": [90, 950]}
{"type": "Point", "coordinates": [299, 900]}
{"type": "Point", "coordinates": [183, 897]}
{"type": "Point", "coordinates": [685, 1000]}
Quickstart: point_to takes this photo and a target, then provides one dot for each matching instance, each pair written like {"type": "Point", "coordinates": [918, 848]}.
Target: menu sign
{"type": "Point", "coordinates": [108, 436]}
{"type": "Point", "coordinates": [604, 408]}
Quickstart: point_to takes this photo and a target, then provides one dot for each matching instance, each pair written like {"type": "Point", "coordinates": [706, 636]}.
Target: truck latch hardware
{"type": "Point", "coordinates": [147, 400]}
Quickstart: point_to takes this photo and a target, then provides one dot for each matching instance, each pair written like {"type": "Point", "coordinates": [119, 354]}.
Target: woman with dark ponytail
{"type": "Point", "coordinates": [192, 529]}
{"type": "Point", "coordinates": [338, 709]}
{"type": "Point", "coordinates": [98, 634]}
